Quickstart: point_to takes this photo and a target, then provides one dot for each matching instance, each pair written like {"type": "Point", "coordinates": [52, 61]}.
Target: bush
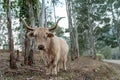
{"type": "Point", "coordinates": [106, 51]}
{"type": "Point", "coordinates": [99, 56]}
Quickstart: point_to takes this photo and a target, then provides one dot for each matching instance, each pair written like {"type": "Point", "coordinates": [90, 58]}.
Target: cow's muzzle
{"type": "Point", "coordinates": [40, 47]}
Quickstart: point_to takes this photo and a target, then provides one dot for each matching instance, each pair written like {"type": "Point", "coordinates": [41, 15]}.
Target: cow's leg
{"type": "Point", "coordinates": [64, 63]}
{"type": "Point", "coordinates": [58, 69]}
{"type": "Point", "coordinates": [54, 66]}
{"type": "Point", "coordinates": [48, 71]}
{"type": "Point", "coordinates": [54, 70]}
{"type": "Point", "coordinates": [49, 67]}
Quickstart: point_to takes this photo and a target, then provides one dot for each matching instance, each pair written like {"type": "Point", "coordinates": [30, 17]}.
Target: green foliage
{"type": "Point", "coordinates": [100, 56]}
{"type": "Point", "coordinates": [55, 2]}
{"type": "Point", "coordinates": [106, 51]}
{"type": "Point", "coordinates": [106, 26]}
{"type": "Point", "coordinates": [117, 5]}
{"type": "Point", "coordinates": [104, 34]}
{"type": "Point", "coordinates": [110, 1]}
{"type": "Point", "coordinates": [23, 9]}
{"type": "Point", "coordinates": [97, 14]}
{"type": "Point", "coordinates": [99, 45]}
{"type": "Point", "coordinates": [59, 31]}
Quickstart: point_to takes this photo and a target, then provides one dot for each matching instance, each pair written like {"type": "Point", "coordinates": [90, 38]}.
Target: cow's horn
{"type": "Point", "coordinates": [55, 26]}
{"type": "Point", "coordinates": [29, 28]}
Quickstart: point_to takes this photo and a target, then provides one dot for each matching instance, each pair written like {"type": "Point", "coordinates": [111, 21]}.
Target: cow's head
{"type": "Point", "coordinates": [42, 35]}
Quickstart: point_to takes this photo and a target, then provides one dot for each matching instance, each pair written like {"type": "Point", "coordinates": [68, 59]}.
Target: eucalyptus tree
{"type": "Point", "coordinates": [73, 39]}
{"type": "Point", "coordinates": [14, 15]}
{"type": "Point", "coordinates": [3, 28]}
{"type": "Point", "coordinates": [10, 36]}
{"type": "Point", "coordinates": [91, 16]}
{"type": "Point", "coordinates": [29, 6]}
{"type": "Point", "coordinates": [91, 27]}
{"type": "Point", "coordinates": [31, 44]}
{"type": "Point", "coordinates": [42, 21]}
{"type": "Point", "coordinates": [54, 3]}
{"type": "Point", "coordinates": [109, 32]}
{"type": "Point", "coordinates": [114, 6]}
{"type": "Point", "coordinates": [41, 13]}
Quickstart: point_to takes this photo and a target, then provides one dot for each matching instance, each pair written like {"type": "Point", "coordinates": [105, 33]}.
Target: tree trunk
{"type": "Point", "coordinates": [45, 18]}
{"type": "Point", "coordinates": [116, 31]}
{"type": "Point", "coordinates": [39, 13]}
{"type": "Point", "coordinates": [22, 38]}
{"type": "Point", "coordinates": [42, 22]}
{"type": "Point", "coordinates": [54, 11]}
{"type": "Point", "coordinates": [74, 49]}
{"type": "Point", "coordinates": [76, 37]}
{"type": "Point", "coordinates": [31, 58]}
{"type": "Point", "coordinates": [10, 38]}
{"type": "Point", "coordinates": [18, 55]}
{"type": "Point", "coordinates": [32, 44]}
{"type": "Point", "coordinates": [91, 31]}
{"type": "Point", "coordinates": [87, 44]}
{"type": "Point", "coordinates": [27, 46]}
{"type": "Point", "coordinates": [29, 43]}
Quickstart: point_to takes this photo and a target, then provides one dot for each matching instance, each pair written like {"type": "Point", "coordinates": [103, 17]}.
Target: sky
{"type": "Point", "coordinates": [61, 12]}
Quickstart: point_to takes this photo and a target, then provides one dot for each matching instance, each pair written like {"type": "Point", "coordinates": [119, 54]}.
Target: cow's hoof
{"type": "Point", "coordinates": [54, 73]}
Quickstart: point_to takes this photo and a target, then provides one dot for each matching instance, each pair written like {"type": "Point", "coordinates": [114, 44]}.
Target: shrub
{"type": "Point", "coordinates": [106, 51]}
{"type": "Point", "coordinates": [99, 56]}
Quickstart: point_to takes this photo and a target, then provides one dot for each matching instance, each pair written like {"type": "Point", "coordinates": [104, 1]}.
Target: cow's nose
{"type": "Point", "coordinates": [40, 47]}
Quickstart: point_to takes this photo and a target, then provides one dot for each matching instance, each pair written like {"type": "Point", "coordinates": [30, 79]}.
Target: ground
{"type": "Point", "coordinates": [83, 68]}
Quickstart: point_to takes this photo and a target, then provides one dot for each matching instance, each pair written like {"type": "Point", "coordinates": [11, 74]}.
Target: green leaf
{"type": "Point", "coordinates": [117, 5]}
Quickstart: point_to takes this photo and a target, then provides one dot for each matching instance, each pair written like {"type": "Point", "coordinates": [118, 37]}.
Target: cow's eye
{"type": "Point", "coordinates": [50, 35]}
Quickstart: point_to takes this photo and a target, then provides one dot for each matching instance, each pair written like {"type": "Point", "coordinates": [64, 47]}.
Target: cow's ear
{"type": "Point", "coordinates": [30, 34]}
{"type": "Point", "coordinates": [50, 35]}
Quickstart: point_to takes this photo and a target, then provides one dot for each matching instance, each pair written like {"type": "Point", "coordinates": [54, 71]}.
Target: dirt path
{"type": "Point", "coordinates": [113, 61]}
{"type": "Point", "coordinates": [83, 68]}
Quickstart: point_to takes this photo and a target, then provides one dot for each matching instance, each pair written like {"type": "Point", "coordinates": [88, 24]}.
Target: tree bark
{"type": "Point", "coordinates": [73, 42]}
{"type": "Point", "coordinates": [22, 38]}
{"type": "Point", "coordinates": [18, 55]}
{"type": "Point", "coordinates": [76, 37]}
{"type": "Point", "coordinates": [39, 12]}
{"type": "Point", "coordinates": [54, 11]}
{"type": "Point", "coordinates": [116, 31]}
{"type": "Point", "coordinates": [29, 43]}
{"type": "Point", "coordinates": [31, 58]}
{"type": "Point", "coordinates": [27, 46]}
{"type": "Point", "coordinates": [91, 31]}
{"type": "Point", "coordinates": [10, 38]}
{"type": "Point", "coordinates": [42, 22]}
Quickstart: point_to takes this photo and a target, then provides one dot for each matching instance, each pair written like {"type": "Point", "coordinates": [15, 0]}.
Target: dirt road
{"type": "Point", "coordinates": [113, 61]}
